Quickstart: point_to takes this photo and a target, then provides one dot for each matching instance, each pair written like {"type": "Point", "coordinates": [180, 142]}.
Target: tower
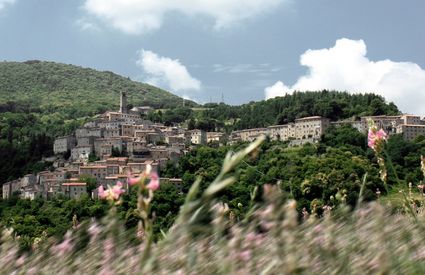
{"type": "Point", "coordinates": [123, 103]}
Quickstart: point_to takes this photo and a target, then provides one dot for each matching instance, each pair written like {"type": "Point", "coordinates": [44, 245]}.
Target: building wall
{"type": "Point", "coordinates": [80, 150]}
{"type": "Point", "coordinates": [410, 132]}
{"type": "Point", "coordinates": [97, 172]}
{"type": "Point", "coordinates": [88, 132]}
{"type": "Point", "coordinates": [198, 137]}
{"type": "Point", "coordinates": [216, 137]}
{"type": "Point", "coordinates": [74, 190]}
{"type": "Point", "coordinates": [411, 119]}
{"type": "Point", "coordinates": [63, 144]}
{"type": "Point", "coordinates": [311, 127]}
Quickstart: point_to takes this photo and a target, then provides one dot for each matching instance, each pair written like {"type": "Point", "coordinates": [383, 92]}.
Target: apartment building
{"type": "Point", "coordinates": [311, 127]}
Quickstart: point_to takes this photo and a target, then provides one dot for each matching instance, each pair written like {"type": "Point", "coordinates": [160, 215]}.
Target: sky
{"type": "Point", "coordinates": [236, 50]}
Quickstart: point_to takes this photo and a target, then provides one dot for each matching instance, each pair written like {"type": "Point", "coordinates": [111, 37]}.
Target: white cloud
{"type": "Point", "coordinates": [278, 89]}
{"type": "Point", "coordinates": [86, 25]}
{"type": "Point", "coordinates": [166, 71]}
{"type": "Point", "coordinates": [345, 67]}
{"type": "Point", "coordinates": [140, 16]}
{"type": "Point", "coordinates": [4, 3]}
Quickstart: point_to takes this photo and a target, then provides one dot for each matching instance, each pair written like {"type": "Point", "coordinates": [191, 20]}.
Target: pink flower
{"type": "Point", "coordinates": [112, 193]}
{"type": "Point", "coordinates": [101, 192]}
{"type": "Point", "coordinates": [65, 246]}
{"type": "Point", "coordinates": [375, 137]}
{"type": "Point", "coordinates": [133, 180]}
{"type": "Point", "coordinates": [117, 190]}
{"type": "Point", "coordinates": [245, 255]}
{"type": "Point", "coordinates": [154, 182]}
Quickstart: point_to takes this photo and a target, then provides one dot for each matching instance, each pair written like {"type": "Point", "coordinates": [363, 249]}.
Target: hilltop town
{"type": "Point", "coordinates": [118, 143]}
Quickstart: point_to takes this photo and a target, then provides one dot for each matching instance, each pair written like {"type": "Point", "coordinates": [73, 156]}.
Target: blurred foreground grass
{"type": "Point", "coordinates": [206, 239]}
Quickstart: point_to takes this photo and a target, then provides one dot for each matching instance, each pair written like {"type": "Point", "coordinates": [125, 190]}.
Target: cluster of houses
{"type": "Point", "coordinates": [121, 143]}
{"type": "Point", "coordinates": [310, 129]}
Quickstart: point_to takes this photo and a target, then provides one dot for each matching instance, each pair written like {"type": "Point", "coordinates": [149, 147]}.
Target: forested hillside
{"type": "Point", "coordinates": [42, 100]}
{"type": "Point", "coordinates": [72, 91]}
{"type": "Point", "coordinates": [281, 110]}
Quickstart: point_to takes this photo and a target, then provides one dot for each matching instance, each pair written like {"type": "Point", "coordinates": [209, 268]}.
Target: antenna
{"type": "Point", "coordinates": [222, 97]}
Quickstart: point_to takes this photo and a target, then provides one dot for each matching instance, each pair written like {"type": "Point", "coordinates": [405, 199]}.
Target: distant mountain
{"type": "Point", "coordinates": [73, 91]}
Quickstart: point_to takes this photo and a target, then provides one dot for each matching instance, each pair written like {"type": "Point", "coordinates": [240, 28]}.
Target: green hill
{"type": "Point", "coordinates": [42, 100]}
{"type": "Point", "coordinates": [334, 105]}
{"type": "Point", "coordinates": [72, 91]}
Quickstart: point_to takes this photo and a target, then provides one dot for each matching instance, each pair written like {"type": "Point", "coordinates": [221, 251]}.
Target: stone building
{"type": "Point", "coordinates": [411, 131]}
{"type": "Point", "coordinates": [282, 132]}
{"type": "Point", "coordinates": [63, 144]}
{"type": "Point", "coordinates": [249, 134]}
{"type": "Point", "coordinates": [10, 187]}
{"type": "Point", "coordinates": [388, 123]}
{"type": "Point", "coordinates": [86, 142]}
{"type": "Point", "coordinates": [175, 140]}
{"type": "Point", "coordinates": [144, 110]}
{"type": "Point", "coordinates": [110, 133]}
{"type": "Point", "coordinates": [81, 152]}
{"type": "Point", "coordinates": [197, 136]}
{"type": "Point", "coordinates": [127, 118]}
{"type": "Point", "coordinates": [120, 161]}
{"type": "Point", "coordinates": [217, 137]}
{"type": "Point", "coordinates": [74, 190]}
{"type": "Point", "coordinates": [88, 132]}
{"type": "Point", "coordinates": [103, 146]}
{"type": "Point", "coordinates": [411, 119]}
{"type": "Point", "coordinates": [129, 130]}
{"type": "Point", "coordinates": [311, 127]}
{"type": "Point", "coordinates": [97, 172]}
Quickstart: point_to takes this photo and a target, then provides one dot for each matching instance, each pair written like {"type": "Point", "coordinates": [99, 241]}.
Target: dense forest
{"type": "Point", "coordinates": [281, 110]}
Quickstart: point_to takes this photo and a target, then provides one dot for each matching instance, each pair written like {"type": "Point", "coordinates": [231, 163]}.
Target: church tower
{"type": "Point", "coordinates": [123, 103]}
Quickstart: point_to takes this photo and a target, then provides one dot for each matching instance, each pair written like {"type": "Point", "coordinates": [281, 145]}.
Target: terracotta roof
{"type": "Point", "coordinates": [74, 184]}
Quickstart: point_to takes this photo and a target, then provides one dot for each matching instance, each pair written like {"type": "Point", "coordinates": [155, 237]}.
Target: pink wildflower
{"type": "Point", "coordinates": [101, 192]}
{"type": "Point", "coordinates": [245, 255]}
{"type": "Point", "coordinates": [154, 182]}
{"type": "Point", "coordinates": [375, 137]}
{"type": "Point", "coordinates": [133, 180]}
{"type": "Point", "coordinates": [64, 247]}
{"type": "Point", "coordinates": [112, 193]}
{"type": "Point", "coordinates": [117, 190]}
{"type": "Point", "coordinates": [94, 229]}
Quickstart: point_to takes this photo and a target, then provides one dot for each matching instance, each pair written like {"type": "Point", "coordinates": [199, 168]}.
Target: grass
{"type": "Point", "coordinates": [207, 239]}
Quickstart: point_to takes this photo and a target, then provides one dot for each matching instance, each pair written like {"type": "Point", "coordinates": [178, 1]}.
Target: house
{"type": "Point", "coordinates": [74, 190]}
{"type": "Point", "coordinates": [63, 144]}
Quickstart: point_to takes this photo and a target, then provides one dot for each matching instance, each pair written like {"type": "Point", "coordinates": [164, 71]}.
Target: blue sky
{"type": "Point", "coordinates": [244, 49]}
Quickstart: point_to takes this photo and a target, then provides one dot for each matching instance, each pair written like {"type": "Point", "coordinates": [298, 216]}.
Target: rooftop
{"type": "Point", "coordinates": [74, 184]}
{"type": "Point", "coordinates": [309, 117]}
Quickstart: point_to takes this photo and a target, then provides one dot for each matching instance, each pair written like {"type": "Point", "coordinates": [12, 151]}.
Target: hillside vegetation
{"type": "Point", "coordinates": [42, 100]}
{"type": "Point", "coordinates": [208, 238]}
{"type": "Point", "coordinates": [72, 91]}
{"type": "Point", "coordinates": [281, 110]}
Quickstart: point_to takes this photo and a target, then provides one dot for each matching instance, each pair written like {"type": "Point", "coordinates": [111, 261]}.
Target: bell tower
{"type": "Point", "coordinates": [123, 103]}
